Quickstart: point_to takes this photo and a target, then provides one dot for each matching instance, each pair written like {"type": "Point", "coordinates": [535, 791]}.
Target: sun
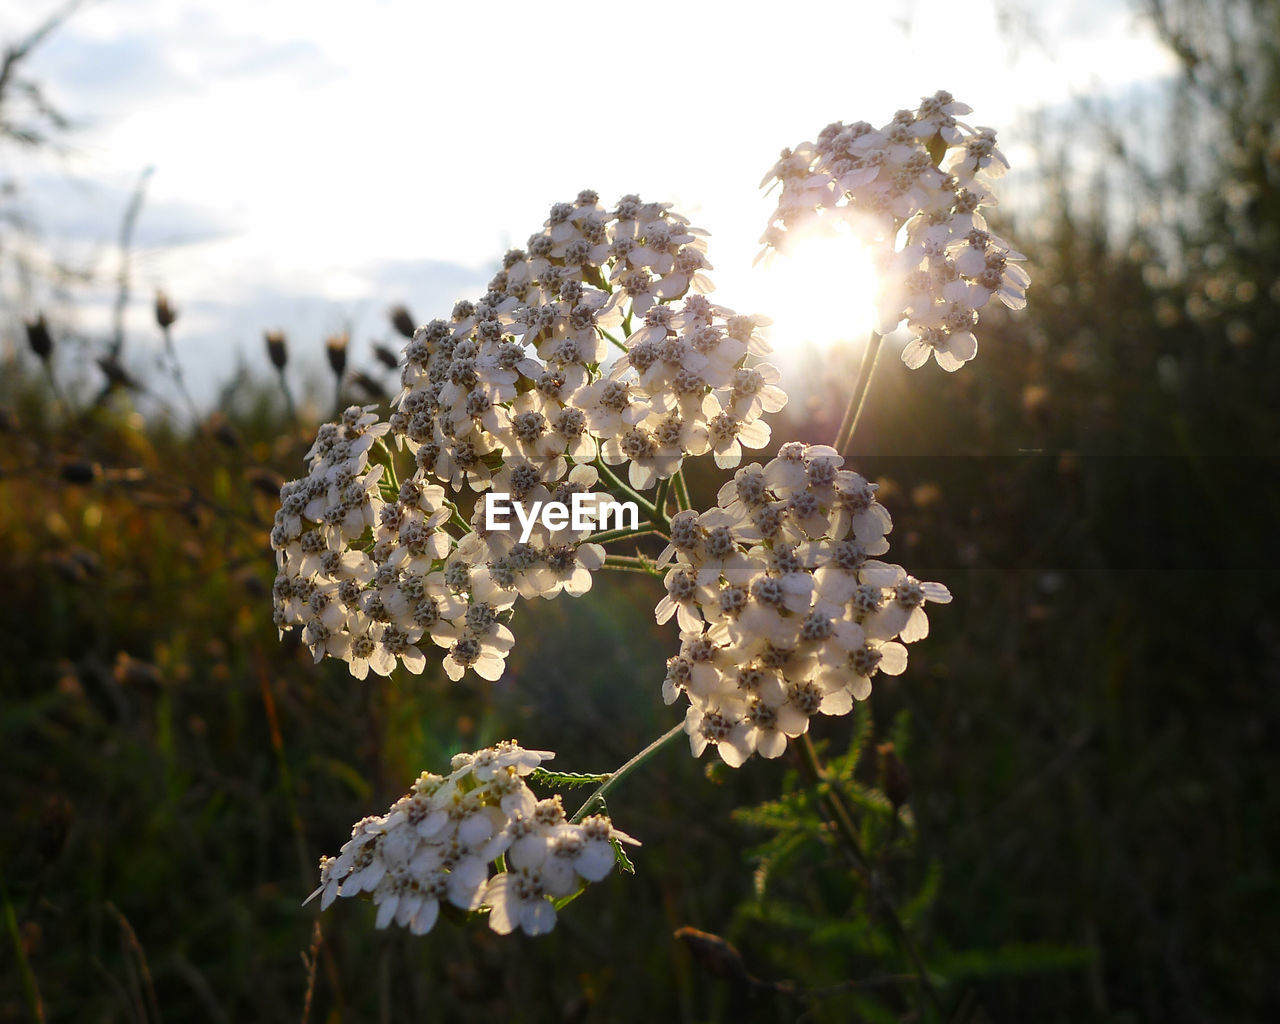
{"type": "Point", "coordinates": [820, 293]}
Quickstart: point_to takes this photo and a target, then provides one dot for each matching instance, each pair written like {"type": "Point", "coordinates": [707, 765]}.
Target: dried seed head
{"type": "Point", "coordinates": [336, 349]}
{"type": "Point", "coordinates": [402, 321]}
{"type": "Point", "coordinates": [277, 350]}
{"type": "Point", "coordinates": [386, 355]}
{"type": "Point", "coordinates": [369, 385]}
{"type": "Point", "coordinates": [165, 313]}
{"type": "Point", "coordinates": [714, 955]}
{"type": "Point", "coordinates": [39, 339]}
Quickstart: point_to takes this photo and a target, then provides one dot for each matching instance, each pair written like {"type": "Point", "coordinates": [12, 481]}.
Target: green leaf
{"type": "Point", "coordinates": [564, 901]}
{"type": "Point", "coordinates": [542, 777]}
{"type": "Point", "coordinates": [794, 810]}
{"type": "Point", "coordinates": [620, 855]}
{"type": "Point", "coordinates": [775, 855]}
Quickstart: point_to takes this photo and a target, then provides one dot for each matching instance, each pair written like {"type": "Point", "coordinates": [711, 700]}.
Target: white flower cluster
{"type": "Point", "coordinates": [929, 174]}
{"type": "Point", "coordinates": [784, 610]}
{"type": "Point", "coordinates": [519, 379]}
{"type": "Point", "coordinates": [515, 393]}
{"type": "Point", "coordinates": [436, 843]}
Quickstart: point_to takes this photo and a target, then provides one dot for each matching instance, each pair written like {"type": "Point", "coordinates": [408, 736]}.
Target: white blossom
{"type": "Point", "coordinates": [439, 841]}
{"type": "Point", "coordinates": [783, 612]}
{"type": "Point", "coordinates": [926, 176]}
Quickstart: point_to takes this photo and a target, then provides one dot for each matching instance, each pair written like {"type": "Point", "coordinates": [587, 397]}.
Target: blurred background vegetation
{"type": "Point", "coordinates": [1089, 733]}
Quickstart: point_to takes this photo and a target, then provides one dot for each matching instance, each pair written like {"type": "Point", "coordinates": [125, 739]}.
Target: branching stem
{"type": "Point", "coordinates": [624, 490]}
{"type": "Point", "coordinates": [682, 491]}
{"type": "Point", "coordinates": [622, 533]}
{"type": "Point", "coordinates": [596, 799]}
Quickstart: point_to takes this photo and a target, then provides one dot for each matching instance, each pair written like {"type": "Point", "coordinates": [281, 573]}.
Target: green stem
{"type": "Point", "coordinates": [627, 563]}
{"type": "Point", "coordinates": [660, 496]}
{"type": "Point", "coordinates": [176, 367]}
{"type": "Point", "coordinates": [35, 1006]}
{"type": "Point", "coordinates": [53, 386]}
{"type": "Point", "coordinates": [842, 818]}
{"type": "Point", "coordinates": [288, 398]}
{"type": "Point", "coordinates": [615, 778]}
{"type": "Point", "coordinates": [390, 463]}
{"type": "Point", "coordinates": [859, 396]}
{"type": "Point", "coordinates": [622, 533]}
{"type": "Point", "coordinates": [626, 491]}
{"type": "Point", "coordinates": [611, 339]}
{"type": "Point", "coordinates": [682, 491]}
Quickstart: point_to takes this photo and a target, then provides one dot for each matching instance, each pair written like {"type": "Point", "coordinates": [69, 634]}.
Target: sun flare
{"type": "Point", "coordinates": [819, 293]}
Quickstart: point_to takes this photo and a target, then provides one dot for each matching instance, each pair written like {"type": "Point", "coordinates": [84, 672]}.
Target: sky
{"type": "Point", "coordinates": [313, 167]}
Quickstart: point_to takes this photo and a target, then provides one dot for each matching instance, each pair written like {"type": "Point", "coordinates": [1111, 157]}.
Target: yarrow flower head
{"type": "Point", "coordinates": [784, 607]}
{"type": "Point", "coordinates": [593, 345]}
{"type": "Point", "coordinates": [437, 843]}
{"type": "Point", "coordinates": [914, 191]}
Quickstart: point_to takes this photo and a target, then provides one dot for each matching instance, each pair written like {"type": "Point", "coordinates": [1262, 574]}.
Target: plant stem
{"type": "Point", "coordinates": [622, 533]}
{"type": "Point", "coordinates": [122, 278]}
{"type": "Point", "coordinates": [859, 396]}
{"type": "Point", "coordinates": [627, 563]}
{"type": "Point", "coordinates": [630, 494]}
{"type": "Point", "coordinates": [611, 339]}
{"type": "Point", "coordinates": [660, 496]}
{"type": "Point", "coordinates": [288, 397]}
{"type": "Point", "coordinates": [35, 1005]}
{"type": "Point", "coordinates": [682, 491]}
{"type": "Point", "coordinates": [53, 386]}
{"type": "Point", "coordinates": [838, 810]}
{"type": "Point", "coordinates": [390, 463]}
{"type": "Point", "coordinates": [597, 798]}
{"type": "Point", "coordinates": [176, 367]}
{"type": "Point", "coordinates": [839, 815]}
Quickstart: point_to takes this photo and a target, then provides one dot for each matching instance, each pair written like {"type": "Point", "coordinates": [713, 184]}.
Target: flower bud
{"type": "Point", "coordinates": [165, 313]}
{"type": "Point", "coordinates": [336, 349]}
{"type": "Point", "coordinates": [402, 321]}
{"type": "Point", "coordinates": [369, 385]}
{"type": "Point", "coordinates": [39, 339]}
{"type": "Point", "coordinates": [387, 356]}
{"type": "Point", "coordinates": [717, 956]}
{"type": "Point", "coordinates": [277, 349]}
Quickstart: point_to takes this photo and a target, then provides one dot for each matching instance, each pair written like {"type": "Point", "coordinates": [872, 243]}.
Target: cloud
{"type": "Point", "coordinates": [76, 211]}
{"type": "Point", "coordinates": [107, 75]}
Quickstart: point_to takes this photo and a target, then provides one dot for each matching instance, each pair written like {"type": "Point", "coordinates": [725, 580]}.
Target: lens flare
{"type": "Point", "coordinates": [821, 292]}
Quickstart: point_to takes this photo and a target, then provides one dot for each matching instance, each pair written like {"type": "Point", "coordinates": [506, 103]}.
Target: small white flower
{"type": "Point", "coordinates": [518, 900]}
{"type": "Point", "coordinates": [436, 843]}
